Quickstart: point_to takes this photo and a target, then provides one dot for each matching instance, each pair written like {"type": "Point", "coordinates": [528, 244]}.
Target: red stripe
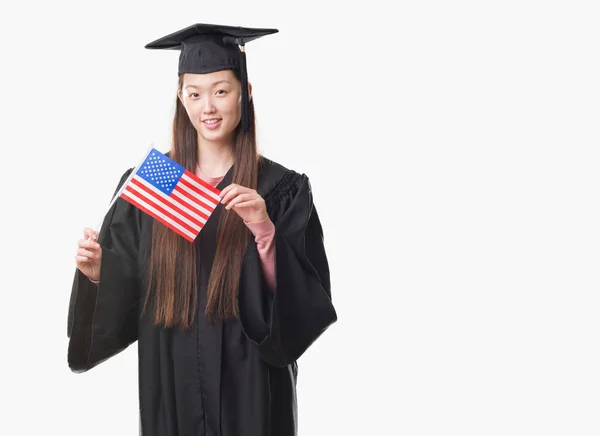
{"type": "Point", "coordinates": [202, 182]}
{"type": "Point", "coordinates": [164, 211]}
{"type": "Point", "coordinates": [169, 225]}
{"type": "Point", "coordinates": [199, 192]}
{"type": "Point", "coordinates": [162, 200]}
{"type": "Point", "coordinates": [194, 200]}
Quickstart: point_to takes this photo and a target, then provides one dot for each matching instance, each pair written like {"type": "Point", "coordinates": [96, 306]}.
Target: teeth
{"type": "Point", "coordinates": [211, 121]}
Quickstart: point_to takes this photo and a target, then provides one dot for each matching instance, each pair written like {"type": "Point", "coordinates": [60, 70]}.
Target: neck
{"type": "Point", "coordinates": [215, 158]}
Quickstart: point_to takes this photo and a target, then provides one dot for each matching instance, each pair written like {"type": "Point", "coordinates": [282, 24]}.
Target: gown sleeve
{"type": "Point", "coordinates": [103, 317]}
{"type": "Point", "coordinates": [283, 324]}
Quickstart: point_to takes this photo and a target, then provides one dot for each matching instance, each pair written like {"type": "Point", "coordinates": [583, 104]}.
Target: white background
{"type": "Point", "coordinates": [453, 153]}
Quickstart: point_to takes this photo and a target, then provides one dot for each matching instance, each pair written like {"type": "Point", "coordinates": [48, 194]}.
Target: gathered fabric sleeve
{"type": "Point", "coordinates": [103, 316]}
{"type": "Point", "coordinates": [285, 323]}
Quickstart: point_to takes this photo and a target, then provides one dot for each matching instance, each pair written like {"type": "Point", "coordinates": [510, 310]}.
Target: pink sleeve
{"type": "Point", "coordinates": [264, 232]}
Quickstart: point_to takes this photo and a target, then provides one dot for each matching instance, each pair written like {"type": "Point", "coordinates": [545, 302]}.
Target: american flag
{"type": "Point", "coordinates": [170, 193]}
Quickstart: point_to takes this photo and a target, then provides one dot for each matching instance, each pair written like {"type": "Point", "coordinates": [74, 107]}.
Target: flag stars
{"type": "Point", "coordinates": [161, 172]}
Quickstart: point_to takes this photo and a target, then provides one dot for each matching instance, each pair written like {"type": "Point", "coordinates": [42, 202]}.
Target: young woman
{"type": "Point", "coordinates": [221, 321]}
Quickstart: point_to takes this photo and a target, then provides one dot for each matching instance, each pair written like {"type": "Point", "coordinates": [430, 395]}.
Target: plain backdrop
{"type": "Point", "coordinates": [453, 153]}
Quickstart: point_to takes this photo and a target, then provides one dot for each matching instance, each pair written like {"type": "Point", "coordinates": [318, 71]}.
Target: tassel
{"type": "Point", "coordinates": [245, 101]}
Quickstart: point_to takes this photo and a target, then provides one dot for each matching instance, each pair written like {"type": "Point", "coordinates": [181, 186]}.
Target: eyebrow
{"type": "Point", "coordinates": [214, 84]}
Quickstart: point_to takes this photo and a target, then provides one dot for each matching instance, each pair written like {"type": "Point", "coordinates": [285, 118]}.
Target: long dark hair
{"type": "Point", "coordinates": [172, 263]}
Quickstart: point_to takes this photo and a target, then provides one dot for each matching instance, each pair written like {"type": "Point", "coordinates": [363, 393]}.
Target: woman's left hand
{"type": "Point", "coordinates": [246, 202]}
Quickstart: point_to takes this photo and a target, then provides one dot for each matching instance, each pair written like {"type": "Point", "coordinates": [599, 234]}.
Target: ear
{"type": "Point", "coordinates": [249, 91]}
{"type": "Point", "coordinates": [180, 95]}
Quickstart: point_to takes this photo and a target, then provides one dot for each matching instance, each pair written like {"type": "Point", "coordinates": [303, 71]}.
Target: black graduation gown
{"type": "Point", "coordinates": [233, 379]}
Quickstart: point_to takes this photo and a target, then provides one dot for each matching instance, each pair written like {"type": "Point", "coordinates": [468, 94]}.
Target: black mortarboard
{"type": "Point", "coordinates": [206, 48]}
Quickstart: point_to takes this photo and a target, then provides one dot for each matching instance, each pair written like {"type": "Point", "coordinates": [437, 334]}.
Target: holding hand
{"type": "Point", "coordinates": [89, 254]}
{"type": "Point", "coordinates": [246, 202]}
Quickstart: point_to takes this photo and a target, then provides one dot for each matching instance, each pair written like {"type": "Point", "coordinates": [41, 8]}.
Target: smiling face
{"type": "Point", "coordinates": [212, 101]}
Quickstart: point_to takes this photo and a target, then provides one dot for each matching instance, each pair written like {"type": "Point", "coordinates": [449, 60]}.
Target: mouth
{"type": "Point", "coordinates": [212, 123]}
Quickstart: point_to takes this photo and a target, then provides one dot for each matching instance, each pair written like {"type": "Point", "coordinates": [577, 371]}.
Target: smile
{"type": "Point", "coordinates": [213, 123]}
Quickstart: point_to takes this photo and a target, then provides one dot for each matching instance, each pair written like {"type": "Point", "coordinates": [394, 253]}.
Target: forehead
{"type": "Point", "coordinates": [203, 80]}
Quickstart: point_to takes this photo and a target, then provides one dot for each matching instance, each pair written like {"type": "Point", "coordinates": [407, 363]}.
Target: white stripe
{"type": "Point", "coordinates": [143, 194]}
{"type": "Point", "coordinates": [202, 188]}
{"type": "Point", "coordinates": [156, 212]}
{"type": "Point", "coordinates": [196, 195]}
{"type": "Point", "coordinates": [165, 197]}
{"type": "Point", "coordinates": [188, 201]}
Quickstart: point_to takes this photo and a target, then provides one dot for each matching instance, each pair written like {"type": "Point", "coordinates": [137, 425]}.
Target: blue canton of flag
{"type": "Point", "coordinates": [161, 172]}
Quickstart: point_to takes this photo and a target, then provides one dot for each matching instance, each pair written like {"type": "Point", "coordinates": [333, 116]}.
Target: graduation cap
{"type": "Point", "coordinates": [206, 48]}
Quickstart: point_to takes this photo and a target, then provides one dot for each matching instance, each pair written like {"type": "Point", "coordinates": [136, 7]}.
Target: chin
{"type": "Point", "coordinates": [212, 136]}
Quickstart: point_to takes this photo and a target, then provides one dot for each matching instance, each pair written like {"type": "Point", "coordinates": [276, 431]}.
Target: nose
{"type": "Point", "coordinates": [209, 106]}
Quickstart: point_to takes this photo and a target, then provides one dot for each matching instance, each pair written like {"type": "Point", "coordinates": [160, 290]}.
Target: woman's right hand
{"type": "Point", "coordinates": [89, 254]}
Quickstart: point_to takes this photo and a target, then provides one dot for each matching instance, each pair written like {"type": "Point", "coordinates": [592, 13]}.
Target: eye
{"type": "Point", "coordinates": [193, 95]}
{"type": "Point", "coordinates": [221, 92]}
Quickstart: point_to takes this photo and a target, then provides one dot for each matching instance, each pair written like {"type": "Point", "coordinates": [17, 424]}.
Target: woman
{"type": "Point", "coordinates": [220, 322]}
